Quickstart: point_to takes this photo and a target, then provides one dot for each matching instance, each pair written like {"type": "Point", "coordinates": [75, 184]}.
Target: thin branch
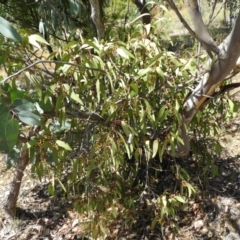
{"type": "Point", "coordinates": [211, 18]}
{"type": "Point", "coordinates": [212, 12]}
{"type": "Point", "coordinates": [185, 24]}
{"type": "Point", "coordinates": [80, 115]}
{"type": "Point", "coordinates": [223, 89]}
{"type": "Point", "coordinates": [49, 61]}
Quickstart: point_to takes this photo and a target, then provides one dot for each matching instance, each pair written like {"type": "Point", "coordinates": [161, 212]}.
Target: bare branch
{"type": "Point", "coordinates": [80, 115]}
{"type": "Point", "coordinates": [211, 17]}
{"type": "Point", "coordinates": [202, 36]}
{"type": "Point", "coordinates": [48, 61]}
{"type": "Point", "coordinates": [200, 28]}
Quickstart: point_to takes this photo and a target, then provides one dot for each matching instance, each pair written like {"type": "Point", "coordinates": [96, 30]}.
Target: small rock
{"type": "Point", "coordinates": [204, 230]}
{"type": "Point", "coordinates": [75, 223]}
{"type": "Point", "coordinates": [198, 224]}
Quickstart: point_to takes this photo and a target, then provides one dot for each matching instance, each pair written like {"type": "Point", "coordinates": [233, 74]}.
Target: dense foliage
{"type": "Point", "coordinates": [103, 125]}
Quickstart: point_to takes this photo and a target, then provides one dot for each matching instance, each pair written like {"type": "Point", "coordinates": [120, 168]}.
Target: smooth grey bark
{"type": "Point", "coordinates": [228, 58]}
{"type": "Point", "coordinates": [200, 28]}
{"type": "Point", "coordinates": [204, 39]}
{"type": "Point", "coordinates": [97, 18]}
{"type": "Point", "coordinates": [226, 61]}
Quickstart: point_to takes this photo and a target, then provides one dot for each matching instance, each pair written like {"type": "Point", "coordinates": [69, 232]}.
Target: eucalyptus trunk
{"type": "Point", "coordinates": [224, 59]}
{"type": "Point", "coordinates": [97, 18]}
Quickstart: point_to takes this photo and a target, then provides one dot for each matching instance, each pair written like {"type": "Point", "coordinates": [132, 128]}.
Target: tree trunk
{"type": "Point", "coordinates": [97, 18]}
{"type": "Point", "coordinates": [10, 205]}
{"type": "Point", "coordinates": [219, 68]}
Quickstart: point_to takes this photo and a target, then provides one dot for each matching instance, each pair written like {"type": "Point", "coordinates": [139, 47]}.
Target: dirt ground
{"type": "Point", "coordinates": [213, 214]}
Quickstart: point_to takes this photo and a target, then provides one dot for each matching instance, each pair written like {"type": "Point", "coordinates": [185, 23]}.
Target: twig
{"type": "Point", "coordinates": [212, 12]}
{"type": "Point", "coordinates": [185, 24]}
{"type": "Point", "coordinates": [49, 61]}
{"type": "Point", "coordinates": [81, 115]}
{"type": "Point", "coordinates": [212, 18]}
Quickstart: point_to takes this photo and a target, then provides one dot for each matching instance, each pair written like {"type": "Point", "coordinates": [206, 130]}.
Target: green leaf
{"type": "Point", "coordinates": [154, 60]}
{"type": "Point", "coordinates": [155, 147]}
{"type": "Point", "coordinates": [126, 145]}
{"type": "Point", "coordinates": [75, 8]}
{"type": "Point", "coordinates": [144, 71]}
{"type": "Point", "coordinates": [63, 145]}
{"type": "Point", "coordinates": [164, 200]}
{"type": "Point", "coordinates": [23, 105]}
{"type": "Point", "coordinates": [59, 103]}
{"type": "Point", "coordinates": [3, 57]}
{"type": "Point", "coordinates": [161, 112]}
{"type": "Point", "coordinates": [134, 86]}
{"type": "Point", "coordinates": [3, 146]}
{"type": "Point", "coordinates": [162, 150]}
{"type": "Point", "coordinates": [177, 104]}
{"type": "Point", "coordinates": [64, 189]}
{"type": "Point", "coordinates": [11, 130]}
{"type": "Point", "coordinates": [29, 118]}
{"type": "Point", "coordinates": [124, 53]}
{"type": "Point", "coordinates": [218, 147]}
{"type": "Point", "coordinates": [154, 222]}
{"type": "Point", "coordinates": [16, 94]}
{"type": "Point", "coordinates": [4, 109]}
{"type": "Point", "coordinates": [179, 199]}
{"type": "Point", "coordinates": [8, 31]}
{"type": "Point", "coordinates": [160, 72]}
{"type": "Point", "coordinates": [191, 190]}
{"type": "Point", "coordinates": [72, 95]}
{"type": "Point", "coordinates": [4, 118]}
{"type": "Point", "coordinates": [89, 45]}
{"type": "Point", "coordinates": [30, 144]}
{"type": "Point", "coordinates": [76, 98]}
{"type": "Point", "coordinates": [137, 18]}
{"type": "Point", "coordinates": [231, 105]}
{"type": "Point", "coordinates": [125, 128]}
{"type": "Point", "coordinates": [34, 38]}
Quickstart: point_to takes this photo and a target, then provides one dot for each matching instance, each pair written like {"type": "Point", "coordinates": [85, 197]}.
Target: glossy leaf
{"type": "Point", "coordinates": [34, 39]}
{"type": "Point", "coordinates": [23, 105]}
{"type": "Point", "coordinates": [155, 147]}
{"type": "Point", "coordinates": [8, 31]}
{"type": "Point", "coordinates": [29, 118]}
{"type": "Point", "coordinates": [180, 199]}
{"type": "Point", "coordinates": [124, 53]}
{"type": "Point", "coordinates": [75, 8]}
{"type": "Point", "coordinates": [63, 145]}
